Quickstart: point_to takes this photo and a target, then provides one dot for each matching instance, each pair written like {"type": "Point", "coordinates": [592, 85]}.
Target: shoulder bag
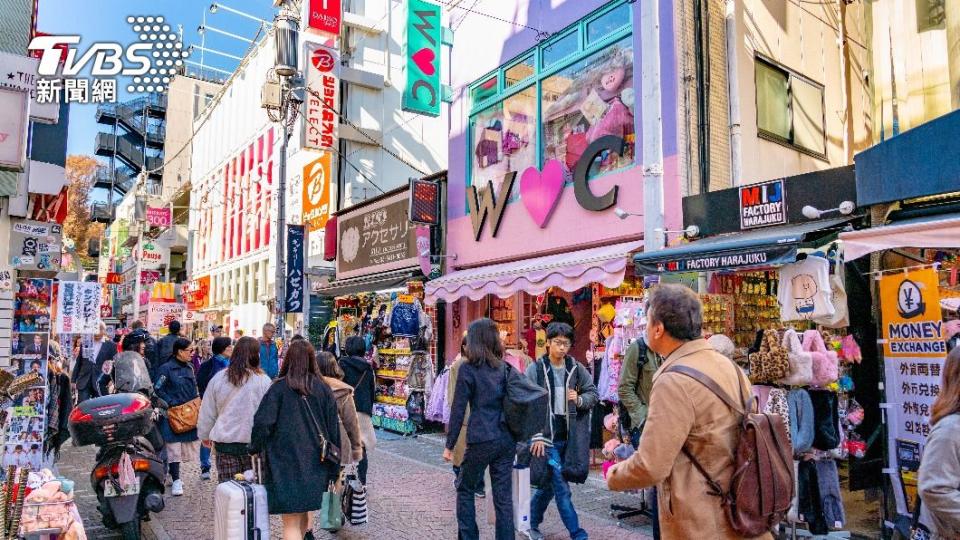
{"type": "Point", "coordinates": [184, 417]}
{"type": "Point", "coordinates": [328, 451]}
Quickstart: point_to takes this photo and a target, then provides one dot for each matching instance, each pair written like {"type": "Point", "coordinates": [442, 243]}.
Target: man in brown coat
{"type": "Point", "coordinates": [684, 413]}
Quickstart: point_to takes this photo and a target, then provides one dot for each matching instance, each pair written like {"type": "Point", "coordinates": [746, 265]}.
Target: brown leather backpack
{"type": "Point", "coordinates": [761, 488]}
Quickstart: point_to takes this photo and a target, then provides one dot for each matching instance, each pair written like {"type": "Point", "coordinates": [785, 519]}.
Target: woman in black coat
{"type": "Point", "coordinates": [284, 430]}
{"type": "Point", "coordinates": [359, 374]}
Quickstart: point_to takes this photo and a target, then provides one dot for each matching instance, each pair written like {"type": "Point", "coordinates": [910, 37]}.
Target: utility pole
{"type": "Point", "coordinates": [287, 39]}
{"type": "Point", "coordinates": [654, 234]}
{"type": "Point", "coordinates": [138, 257]}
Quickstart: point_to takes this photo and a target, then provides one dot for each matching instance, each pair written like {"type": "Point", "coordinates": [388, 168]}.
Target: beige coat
{"type": "Point", "coordinates": [461, 447]}
{"type": "Point", "coordinates": [351, 443]}
{"type": "Point", "coordinates": [683, 412]}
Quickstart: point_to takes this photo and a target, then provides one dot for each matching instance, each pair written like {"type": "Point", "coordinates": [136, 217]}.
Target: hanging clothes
{"type": "Point", "coordinates": [404, 320]}
{"type": "Point", "coordinates": [420, 375]}
{"type": "Point", "coordinates": [806, 292]}
{"type": "Point", "coordinates": [437, 405]}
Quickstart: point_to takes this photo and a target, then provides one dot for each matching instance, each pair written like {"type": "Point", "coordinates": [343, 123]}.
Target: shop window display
{"type": "Point", "coordinates": [591, 98]}
{"type": "Point", "coordinates": [504, 139]}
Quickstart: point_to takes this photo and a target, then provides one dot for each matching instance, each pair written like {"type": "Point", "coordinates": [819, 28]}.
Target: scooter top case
{"type": "Point", "coordinates": [109, 419]}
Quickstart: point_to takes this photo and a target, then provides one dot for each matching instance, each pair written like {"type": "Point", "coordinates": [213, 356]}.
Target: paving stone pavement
{"type": "Point", "coordinates": [411, 496]}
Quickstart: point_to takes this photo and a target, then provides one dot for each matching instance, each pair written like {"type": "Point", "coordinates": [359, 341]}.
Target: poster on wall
{"type": "Point", "coordinates": [25, 416]}
{"type": "Point", "coordinates": [320, 111]}
{"type": "Point", "coordinates": [35, 245]}
{"type": "Point", "coordinates": [293, 303]}
{"type": "Point", "coordinates": [78, 307]}
{"type": "Point", "coordinates": [914, 351]}
{"type": "Point", "coordinates": [422, 92]}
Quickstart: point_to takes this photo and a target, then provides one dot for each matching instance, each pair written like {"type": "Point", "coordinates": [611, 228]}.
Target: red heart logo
{"type": "Point", "coordinates": [424, 60]}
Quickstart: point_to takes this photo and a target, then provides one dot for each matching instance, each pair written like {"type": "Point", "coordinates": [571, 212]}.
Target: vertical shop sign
{"type": "Point", "coordinates": [325, 16]}
{"type": "Point", "coordinates": [323, 83]}
{"type": "Point", "coordinates": [78, 307]}
{"type": "Point", "coordinates": [422, 91]}
{"type": "Point", "coordinates": [295, 279]}
{"type": "Point", "coordinates": [317, 176]}
{"type": "Point", "coordinates": [24, 421]}
{"type": "Point", "coordinates": [914, 352]}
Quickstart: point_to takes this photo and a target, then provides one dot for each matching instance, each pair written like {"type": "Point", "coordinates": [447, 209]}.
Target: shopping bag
{"type": "Point", "coordinates": [331, 510]}
{"type": "Point", "coordinates": [521, 499]}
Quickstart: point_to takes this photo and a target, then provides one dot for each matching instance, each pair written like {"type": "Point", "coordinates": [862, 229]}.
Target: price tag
{"type": "Point", "coordinates": [405, 298]}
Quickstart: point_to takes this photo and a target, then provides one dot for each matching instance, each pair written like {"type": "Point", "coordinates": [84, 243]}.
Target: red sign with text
{"type": "Point", "coordinates": [325, 16]}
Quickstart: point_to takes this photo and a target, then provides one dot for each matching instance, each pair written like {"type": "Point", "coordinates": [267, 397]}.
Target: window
{"type": "Point", "coordinates": [519, 72]}
{"type": "Point", "coordinates": [931, 15]}
{"type": "Point", "coordinates": [790, 108]}
{"type": "Point", "coordinates": [608, 22]}
{"type": "Point", "coordinates": [587, 100]}
{"type": "Point", "coordinates": [555, 99]}
{"type": "Point", "coordinates": [504, 138]}
{"type": "Point", "coordinates": [484, 90]}
{"type": "Point", "coordinates": [559, 49]}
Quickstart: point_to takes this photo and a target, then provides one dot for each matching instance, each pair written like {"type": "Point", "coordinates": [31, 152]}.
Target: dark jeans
{"type": "Point", "coordinates": [204, 458]}
{"type": "Point", "coordinates": [558, 489]}
{"type": "Point", "coordinates": [498, 455]}
{"type": "Point", "coordinates": [654, 507]}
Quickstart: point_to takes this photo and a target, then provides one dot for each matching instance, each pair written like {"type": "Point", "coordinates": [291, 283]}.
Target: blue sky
{"type": "Point", "coordinates": [105, 21]}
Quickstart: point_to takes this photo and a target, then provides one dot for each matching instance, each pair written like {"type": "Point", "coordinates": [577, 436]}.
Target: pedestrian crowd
{"type": "Point", "coordinates": [307, 415]}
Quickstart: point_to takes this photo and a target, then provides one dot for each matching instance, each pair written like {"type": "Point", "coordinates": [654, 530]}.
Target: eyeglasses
{"type": "Point", "coordinates": [560, 343]}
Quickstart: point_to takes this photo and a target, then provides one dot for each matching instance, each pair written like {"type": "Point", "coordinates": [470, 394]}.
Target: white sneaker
{"type": "Point", "coordinates": [205, 475]}
{"type": "Point", "coordinates": [177, 489]}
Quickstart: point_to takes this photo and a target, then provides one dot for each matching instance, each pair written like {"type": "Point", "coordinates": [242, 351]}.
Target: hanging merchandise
{"type": "Point", "coordinates": [838, 297]}
{"type": "Point", "coordinates": [559, 309]}
{"type": "Point", "coordinates": [437, 404]}
{"type": "Point", "coordinates": [802, 424]}
{"type": "Point", "coordinates": [825, 413]}
{"type": "Point", "coordinates": [772, 362]}
{"type": "Point", "coordinates": [404, 319]}
{"type": "Point", "coordinates": [850, 350]}
{"type": "Point", "coordinates": [825, 365]}
{"type": "Point", "coordinates": [801, 362]}
{"type": "Point", "coordinates": [805, 294]}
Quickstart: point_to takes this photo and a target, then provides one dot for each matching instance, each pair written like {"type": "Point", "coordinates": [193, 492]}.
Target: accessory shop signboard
{"type": "Point", "coordinates": [376, 238]}
{"type": "Point", "coordinates": [914, 351]}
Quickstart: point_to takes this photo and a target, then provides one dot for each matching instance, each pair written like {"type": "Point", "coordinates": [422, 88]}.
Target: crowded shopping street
{"type": "Point", "coordinates": [479, 269]}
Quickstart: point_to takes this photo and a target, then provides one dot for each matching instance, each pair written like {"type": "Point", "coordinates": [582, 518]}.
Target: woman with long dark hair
{"type": "Point", "coordinates": [939, 482]}
{"type": "Point", "coordinates": [346, 409]}
{"type": "Point", "coordinates": [298, 412]}
{"type": "Point", "coordinates": [229, 403]}
{"type": "Point", "coordinates": [481, 383]}
{"type": "Point", "coordinates": [177, 384]}
{"type": "Point", "coordinates": [358, 373]}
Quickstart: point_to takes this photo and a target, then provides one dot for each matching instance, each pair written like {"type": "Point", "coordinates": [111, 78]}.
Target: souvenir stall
{"type": "Point", "coordinates": [910, 255]}
{"type": "Point", "coordinates": [774, 282]}
{"type": "Point", "coordinates": [378, 295]}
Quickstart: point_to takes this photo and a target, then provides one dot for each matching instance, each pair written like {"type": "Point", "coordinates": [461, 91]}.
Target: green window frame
{"type": "Point", "coordinates": [482, 99]}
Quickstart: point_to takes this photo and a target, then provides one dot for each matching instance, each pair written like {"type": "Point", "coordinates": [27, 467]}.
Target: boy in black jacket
{"type": "Point", "coordinates": [565, 440]}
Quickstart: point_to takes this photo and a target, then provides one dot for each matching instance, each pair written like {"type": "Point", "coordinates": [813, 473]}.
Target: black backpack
{"type": "Point", "coordinates": [525, 405]}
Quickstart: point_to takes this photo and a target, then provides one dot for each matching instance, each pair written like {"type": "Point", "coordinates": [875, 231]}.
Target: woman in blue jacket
{"type": "Point", "coordinates": [177, 384]}
{"type": "Point", "coordinates": [481, 383]}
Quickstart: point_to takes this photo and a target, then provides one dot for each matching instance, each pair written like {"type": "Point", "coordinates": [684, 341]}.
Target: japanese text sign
{"type": "Point", "coordinates": [422, 92]}
{"type": "Point", "coordinates": [78, 307]}
{"type": "Point", "coordinates": [159, 315]}
{"type": "Point", "coordinates": [325, 16]}
{"type": "Point", "coordinates": [914, 352]}
{"type": "Point", "coordinates": [320, 110]}
{"type": "Point", "coordinates": [293, 301]}
{"type": "Point", "coordinates": [376, 238]}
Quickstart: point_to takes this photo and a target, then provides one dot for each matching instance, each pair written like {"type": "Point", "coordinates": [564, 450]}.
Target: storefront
{"type": "Point", "coordinates": [913, 254]}
{"type": "Point", "coordinates": [544, 157]}
{"type": "Point", "coordinates": [771, 278]}
{"type": "Point", "coordinates": [377, 294]}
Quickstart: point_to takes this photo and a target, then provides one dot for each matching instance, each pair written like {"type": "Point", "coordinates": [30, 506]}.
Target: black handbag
{"type": "Point", "coordinates": [328, 451]}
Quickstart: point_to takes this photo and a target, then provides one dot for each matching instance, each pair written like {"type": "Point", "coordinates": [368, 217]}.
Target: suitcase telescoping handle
{"type": "Point", "coordinates": [257, 469]}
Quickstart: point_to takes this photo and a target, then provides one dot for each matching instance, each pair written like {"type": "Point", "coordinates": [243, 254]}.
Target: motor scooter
{"type": "Point", "coordinates": [122, 424]}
